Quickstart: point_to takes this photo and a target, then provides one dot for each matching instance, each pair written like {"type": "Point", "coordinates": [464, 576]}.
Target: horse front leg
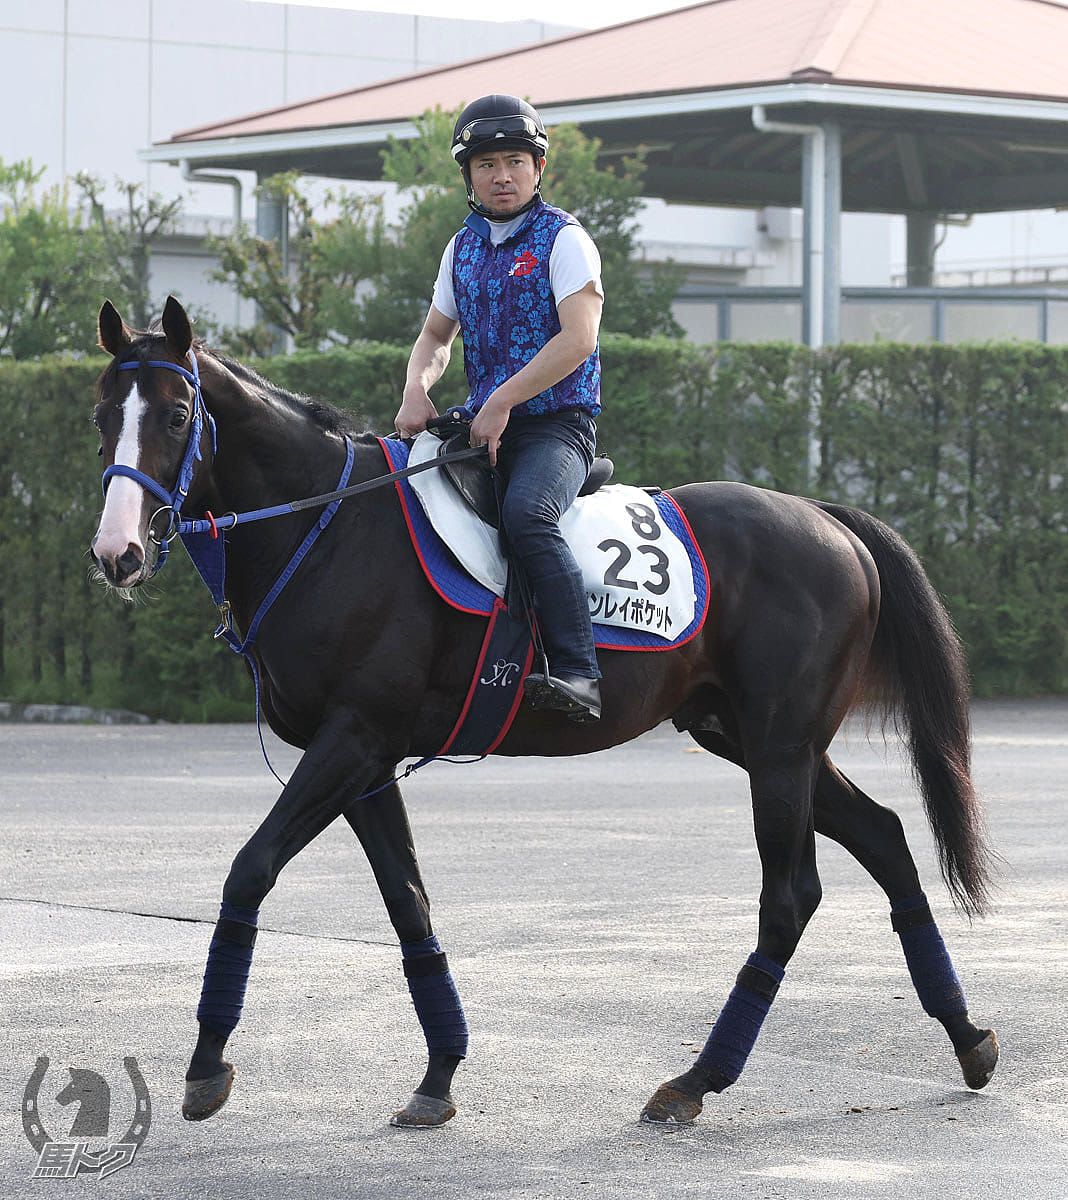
{"type": "Point", "coordinates": [782, 786]}
{"type": "Point", "coordinates": [381, 824]}
{"type": "Point", "coordinates": [338, 762]}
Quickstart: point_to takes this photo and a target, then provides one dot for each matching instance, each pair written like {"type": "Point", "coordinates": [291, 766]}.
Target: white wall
{"type": "Point", "coordinates": [87, 83]}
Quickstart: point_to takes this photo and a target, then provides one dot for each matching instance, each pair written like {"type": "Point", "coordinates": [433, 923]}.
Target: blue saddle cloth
{"type": "Point", "coordinates": [458, 589]}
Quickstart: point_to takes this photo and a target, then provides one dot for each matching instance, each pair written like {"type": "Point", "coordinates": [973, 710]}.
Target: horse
{"type": "Point", "coordinates": [814, 609]}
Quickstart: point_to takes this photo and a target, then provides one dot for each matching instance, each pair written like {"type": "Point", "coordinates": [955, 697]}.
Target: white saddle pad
{"type": "Point", "coordinates": [637, 572]}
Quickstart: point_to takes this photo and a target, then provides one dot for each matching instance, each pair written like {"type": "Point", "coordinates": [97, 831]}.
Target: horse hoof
{"type": "Point", "coordinates": [978, 1063]}
{"type": "Point", "coordinates": [669, 1106]}
{"type": "Point", "coordinates": [206, 1096]}
{"type": "Point", "coordinates": [423, 1112]}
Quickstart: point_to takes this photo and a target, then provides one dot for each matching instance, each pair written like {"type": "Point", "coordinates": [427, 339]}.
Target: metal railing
{"type": "Point", "coordinates": [710, 314]}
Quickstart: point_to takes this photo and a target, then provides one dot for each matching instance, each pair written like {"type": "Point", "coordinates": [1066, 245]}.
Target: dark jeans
{"type": "Point", "coordinates": [544, 460]}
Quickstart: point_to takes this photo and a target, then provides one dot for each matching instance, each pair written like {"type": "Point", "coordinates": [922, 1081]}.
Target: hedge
{"type": "Point", "coordinates": [963, 449]}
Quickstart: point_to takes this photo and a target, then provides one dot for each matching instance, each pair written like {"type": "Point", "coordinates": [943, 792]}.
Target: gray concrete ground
{"type": "Point", "coordinates": [595, 912]}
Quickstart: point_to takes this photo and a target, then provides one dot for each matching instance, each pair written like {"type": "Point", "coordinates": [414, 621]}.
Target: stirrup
{"type": "Point", "coordinates": [578, 698]}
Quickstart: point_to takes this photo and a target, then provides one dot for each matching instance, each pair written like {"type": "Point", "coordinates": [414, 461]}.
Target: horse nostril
{"type": "Point", "coordinates": [120, 571]}
{"type": "Point", "coordinates": [126, 564]}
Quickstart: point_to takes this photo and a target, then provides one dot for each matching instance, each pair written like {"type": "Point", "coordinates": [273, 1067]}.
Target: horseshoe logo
{"type": "Point", "coordinates": [38, 1135]}
{"type": "Point", "coordinates": [31, 1118]}
{"type": "Point", "coordinates": [142, 1121]}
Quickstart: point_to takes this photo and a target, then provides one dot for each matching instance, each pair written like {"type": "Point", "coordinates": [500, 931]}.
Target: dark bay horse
{"type": "Point", "coordinates": [814, 608]}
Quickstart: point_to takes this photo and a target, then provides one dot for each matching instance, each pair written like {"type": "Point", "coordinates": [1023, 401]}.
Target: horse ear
{"type": "Point", "coordinates": [112, 331]}
{"type": "Point", "coordinates": [177, 327]}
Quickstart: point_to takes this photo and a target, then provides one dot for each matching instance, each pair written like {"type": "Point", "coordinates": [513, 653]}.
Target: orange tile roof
{"type": "Point", "coordinates": [1015, 48]}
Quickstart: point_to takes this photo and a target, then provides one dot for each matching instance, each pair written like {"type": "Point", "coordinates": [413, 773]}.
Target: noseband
{"type": "Point", "coordinates": [173, 500]}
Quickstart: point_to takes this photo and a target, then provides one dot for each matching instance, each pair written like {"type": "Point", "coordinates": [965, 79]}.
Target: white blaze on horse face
{"type": "Point", "coordinates": [120, 522]}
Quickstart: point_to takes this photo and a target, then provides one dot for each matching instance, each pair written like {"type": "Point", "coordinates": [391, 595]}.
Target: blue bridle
{"type": "Point", "coordinates": [173, 500]}
{"type": "Point", "coordinates": [207, 549]}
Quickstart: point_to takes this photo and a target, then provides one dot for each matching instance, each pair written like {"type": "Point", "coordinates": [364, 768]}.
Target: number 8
{"type": "Point", "coordinates": [643, 521]}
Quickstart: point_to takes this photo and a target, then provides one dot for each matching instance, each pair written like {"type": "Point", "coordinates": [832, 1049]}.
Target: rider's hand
{"type": "Point", "coordinates": [416, 409]}
{"type": "Point", "coordinates": [488, 425]}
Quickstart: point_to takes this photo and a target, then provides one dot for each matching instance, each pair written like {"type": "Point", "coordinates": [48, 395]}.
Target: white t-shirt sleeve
{"type": "Point", "coordinates": [444, 299]}
{"type": "Point", "coordinates": [574, 262]}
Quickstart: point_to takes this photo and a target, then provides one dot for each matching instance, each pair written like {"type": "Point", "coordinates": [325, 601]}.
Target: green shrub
{"type": "Point", "coordinates": [963, 449]}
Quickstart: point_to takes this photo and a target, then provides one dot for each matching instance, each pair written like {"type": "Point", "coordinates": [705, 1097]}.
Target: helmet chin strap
{"type": "Point", "coordinates": [483, 211]}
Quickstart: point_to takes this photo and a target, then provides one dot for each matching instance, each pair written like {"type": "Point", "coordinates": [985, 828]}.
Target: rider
{"type": "Point", "coordinates": [521, 281]}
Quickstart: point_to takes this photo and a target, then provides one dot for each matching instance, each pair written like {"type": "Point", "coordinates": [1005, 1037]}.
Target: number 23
{"type": "Point", "coordinates": [659, 567]}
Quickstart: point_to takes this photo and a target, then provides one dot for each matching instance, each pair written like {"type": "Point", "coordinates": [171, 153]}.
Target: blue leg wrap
{"type": "Point", "coordinates": [735, 1032]}
{"type": "Point", "coordinates": [932, 972]}
{"type": "Point", "coordinates": [226, 975]}
{"type": "Point", "coordinates": [434, 994]}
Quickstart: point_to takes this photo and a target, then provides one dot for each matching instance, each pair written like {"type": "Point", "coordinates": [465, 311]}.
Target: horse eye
{"type": "Point", "coordinates": [178, 418]}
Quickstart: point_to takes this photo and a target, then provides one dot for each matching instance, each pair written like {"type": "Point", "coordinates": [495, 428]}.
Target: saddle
{"type": "Point", "coordinates": [476, 481]}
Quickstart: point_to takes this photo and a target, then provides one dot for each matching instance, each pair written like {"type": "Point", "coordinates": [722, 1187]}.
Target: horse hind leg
{"type": "Point", "coordinates": [782, 783]}
{"type": "Point", "coordinates": [876, 839]}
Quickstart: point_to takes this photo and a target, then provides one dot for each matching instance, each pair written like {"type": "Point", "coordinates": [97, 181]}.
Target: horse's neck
{"type": "Point", "coordinates": [268, 453]}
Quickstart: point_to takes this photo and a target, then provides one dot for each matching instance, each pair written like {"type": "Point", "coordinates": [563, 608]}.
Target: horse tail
{"type": "Point", "coordinates": [917, 671]}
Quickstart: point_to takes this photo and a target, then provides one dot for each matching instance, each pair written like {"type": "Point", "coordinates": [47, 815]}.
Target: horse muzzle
{"type": "Point", "coordinates": [125, 568]}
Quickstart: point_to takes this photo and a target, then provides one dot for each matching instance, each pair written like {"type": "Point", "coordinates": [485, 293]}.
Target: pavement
{"type": "Point", "coordinates": [595, 912]}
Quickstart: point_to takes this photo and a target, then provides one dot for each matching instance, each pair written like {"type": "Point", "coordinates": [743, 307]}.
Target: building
{"type": "Point", "coordinates": [150, 69]}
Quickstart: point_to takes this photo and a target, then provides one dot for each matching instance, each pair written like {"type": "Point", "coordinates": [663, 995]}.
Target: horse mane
{"type": "Point", "coordinates": [327, 416]}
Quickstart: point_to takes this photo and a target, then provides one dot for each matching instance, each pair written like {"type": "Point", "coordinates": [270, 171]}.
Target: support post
{"type": "Point", "coordinates": [921, 230]}
{"type": "Point", "coordinates": [821, 200]}
{"type": "Point", "coordinates": [234, 183]}
{"type": "Point", "coordinates": [272, 224]}
{"type": "Point", "coordinates": [832, 233]}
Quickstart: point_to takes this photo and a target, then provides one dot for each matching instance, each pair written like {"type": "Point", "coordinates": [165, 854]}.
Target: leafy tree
{"type": "Point", "coordinates": [353, 277]}
{"type": "Point", "coordinates": [53, 268]}
{"type": "Point", "coordinates": [608, 203]}
{"type": "Point", "coordinates": [128, 239]}
{"type": "Point", "coordinates": [59, 258]}
{"type": "Point", "coordinates": [320, 299]}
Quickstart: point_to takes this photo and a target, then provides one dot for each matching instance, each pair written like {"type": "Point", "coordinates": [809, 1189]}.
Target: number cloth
{"type": "Point", "coordinates": [631, 610]}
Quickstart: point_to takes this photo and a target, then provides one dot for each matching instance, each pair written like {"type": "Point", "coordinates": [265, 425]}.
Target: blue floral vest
{"type": "Point", "coordinates": [507, 311]}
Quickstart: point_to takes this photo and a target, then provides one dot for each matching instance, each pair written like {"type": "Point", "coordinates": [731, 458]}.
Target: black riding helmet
{"type": "Point", "coordinates": [499, 122]}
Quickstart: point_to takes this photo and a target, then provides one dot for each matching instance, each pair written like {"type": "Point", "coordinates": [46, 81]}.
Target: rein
{"type": "Point", "coordinates": [174, 499]}
{"type": "Point", "coordinates": [208, 524]}
{"type": "Point", "coordinates": [207, 549]}
{"type": "Point", "coordinates": [190, 531]}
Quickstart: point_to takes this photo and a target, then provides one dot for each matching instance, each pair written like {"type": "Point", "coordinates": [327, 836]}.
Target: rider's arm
{"type": "Point", "coordinates": [580, 319]}
{"type": "Point", "coordinates": [426, 365]}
